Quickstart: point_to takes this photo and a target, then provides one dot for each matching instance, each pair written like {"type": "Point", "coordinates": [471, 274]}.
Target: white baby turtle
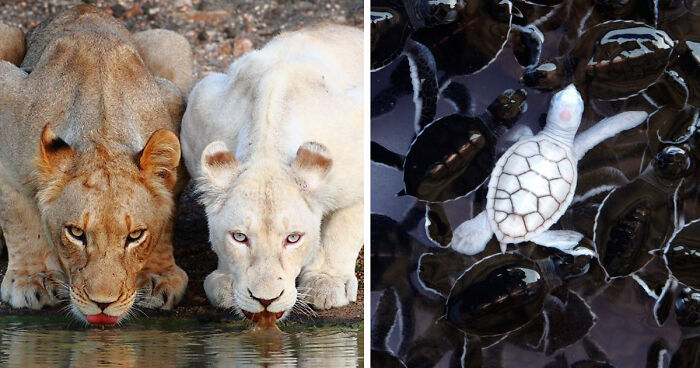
{"type": "Point", "coordinates": [534, 181]}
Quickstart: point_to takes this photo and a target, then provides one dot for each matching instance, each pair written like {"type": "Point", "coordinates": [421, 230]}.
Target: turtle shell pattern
{"type": "Point", "coordinates": [531, 186]}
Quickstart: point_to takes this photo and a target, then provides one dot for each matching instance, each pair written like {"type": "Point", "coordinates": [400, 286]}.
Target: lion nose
{"type": "Point", "coordinates": [102, 306]}
{"type": "Point", "coordinates": [265, 302]}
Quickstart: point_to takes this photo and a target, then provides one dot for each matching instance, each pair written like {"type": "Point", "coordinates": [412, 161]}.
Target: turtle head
{"type": "Point", "coordinates": [508, 107]}
{"type": "Point", "coordinates": [673, 163]}
{"type": "Point", "coordinates": [547, 76]}
{"type": "Point", "coordinates": [564, 116]}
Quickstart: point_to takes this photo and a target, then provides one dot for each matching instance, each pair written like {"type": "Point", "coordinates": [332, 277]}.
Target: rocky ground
{"type": "Point", "coordinates": [219, 31]}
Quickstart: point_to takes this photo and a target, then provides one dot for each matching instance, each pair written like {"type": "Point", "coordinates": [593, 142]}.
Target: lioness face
{"type": "Point", "coordinates": [264, 224]}
{"type": "Point", "coordinates": [104, 216]}
{"type": "Point", "coordinates": [263, 234]}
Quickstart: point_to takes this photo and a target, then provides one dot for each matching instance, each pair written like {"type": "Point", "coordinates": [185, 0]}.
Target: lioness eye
{"type": "Point", "coordinates": [293, 238]}
{"type": "Point", "coordinates": [240, 237]}
{"type": "Point", "coordinates": [135, 235]}
{"type": "Point", "coordinates": [77, 234]}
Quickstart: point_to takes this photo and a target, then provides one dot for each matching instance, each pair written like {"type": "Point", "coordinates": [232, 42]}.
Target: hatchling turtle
{"type": "Point", "coordinates": [612, 60]}
{"type": "Point", "coordinates": [534, 181]}
{"type": "Point", "coordinates": [451, 156]}
{"type": "Point", "coordinates": [639, 217]}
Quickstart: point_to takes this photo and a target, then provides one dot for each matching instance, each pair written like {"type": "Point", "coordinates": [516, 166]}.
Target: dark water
{"type": "Point", "coordinates": [624, 327]}
{"type": "Point", "coordinates": [172, 345]}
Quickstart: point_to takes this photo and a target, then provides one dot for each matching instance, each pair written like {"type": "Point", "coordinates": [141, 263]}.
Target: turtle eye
{"type": "Point", "coordinates": [240, 237]}
{"type": "Point", "coordinates": [135, 236]}
{"type": "Point", "coordinates": [77, 234]}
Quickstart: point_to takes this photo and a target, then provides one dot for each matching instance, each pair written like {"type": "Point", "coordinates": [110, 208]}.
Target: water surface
{"type": "Point", "coordinates": [168, 344]}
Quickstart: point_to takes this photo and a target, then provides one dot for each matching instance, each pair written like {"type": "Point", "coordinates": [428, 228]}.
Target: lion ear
{"type": "Point", "coordinates": [312, 164]}
{"type": "Point", "coordinates": [218, 164]}
{"type": "Point", "coordinates": [161, 157]}
{"type": "Point", "coordinates": [55, 155]}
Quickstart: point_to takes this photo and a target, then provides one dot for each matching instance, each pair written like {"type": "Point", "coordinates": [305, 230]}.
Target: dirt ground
{"type": "Point", "coordinates": [219, 31]}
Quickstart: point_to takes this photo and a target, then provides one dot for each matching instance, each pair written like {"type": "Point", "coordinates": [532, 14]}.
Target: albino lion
{"type": "Point", "coordinates": [89, 165]}
{"type": "Point", "coordinates": [276, 147]}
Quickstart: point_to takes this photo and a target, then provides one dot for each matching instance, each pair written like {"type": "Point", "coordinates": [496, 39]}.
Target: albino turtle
{"type": "Point", "coordinates": [533, 183]}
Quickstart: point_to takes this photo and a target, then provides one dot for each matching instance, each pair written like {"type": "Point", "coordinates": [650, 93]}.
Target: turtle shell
{"type": "Point", "coordinates": [497, 295]}
{"type": "Point", "coordinates": [618, 59]}
{"type": "Point", "coordinates": [531, 186]}
{"type": "Point", "coordinates": [473, 40]}
{"type": "Point", "coordinates": [635, 219]}
{"type": "Point", "coordinates": [449, 158]}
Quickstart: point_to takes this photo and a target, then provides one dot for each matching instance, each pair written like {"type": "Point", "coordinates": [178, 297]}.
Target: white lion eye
{"type": "Point", "coordinates": [240, 237]}
{"type": "Point", "coordinates": [293, 238]}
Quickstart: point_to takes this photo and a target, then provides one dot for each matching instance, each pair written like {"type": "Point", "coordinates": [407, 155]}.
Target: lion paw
{"type": "Point", "coordinates": [325, 291]}
{"type": "Point", "coordinates": [163, 289]}
{"type": "Point", "coordinates": [219, 289]}
{"type": "Point", "coordinates": [33, 290]}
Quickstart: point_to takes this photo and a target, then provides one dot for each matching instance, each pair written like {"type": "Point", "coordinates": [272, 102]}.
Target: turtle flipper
{"type": "Point", "coordinates": [472, 236]}
{"type": "Point", "coordinates": [514, 134]}
{"type": "Point", "coordinates": [424, 80]}
{"type": "Point", "coordinates": [458, 95]}
{"type": "Point", "coordinates": [384, 156]}
{"type": "Point", "coordinates": [560, 239]}
{"type": "Point", "coordinates": [605, 129]}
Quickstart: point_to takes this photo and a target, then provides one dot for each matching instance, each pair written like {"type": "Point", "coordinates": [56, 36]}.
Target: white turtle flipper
{"type": "Point", "coordinates": [513, 135]}
{"type": "Point", "coordinates": [560, 239]}
{"type": "Point", "coordinates": [472, 236]}
{"type": "Point", "coordinates": [605, 129]}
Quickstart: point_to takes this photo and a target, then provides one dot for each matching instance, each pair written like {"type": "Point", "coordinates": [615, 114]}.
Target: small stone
{"type": "Point", "coordinates": [133, 11]}
{"type": "Point", "coordinates": [242, 46]}
{"type": "Point", "coordinates": [203, 36]}
{"type": "Point", "coordinates": [117, 10]}
{"type": "Point", "coordinates": [230, 32]}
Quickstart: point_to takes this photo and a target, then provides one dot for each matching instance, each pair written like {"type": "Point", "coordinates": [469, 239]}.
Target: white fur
{"type": "Point", "coordinates": [304, 86]}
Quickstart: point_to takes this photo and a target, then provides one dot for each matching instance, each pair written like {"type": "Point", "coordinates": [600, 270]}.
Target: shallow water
{"type": "Point", "coordinates": [168, 344]}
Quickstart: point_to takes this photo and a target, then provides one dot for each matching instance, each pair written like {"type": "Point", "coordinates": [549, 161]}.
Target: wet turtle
{"type": "Point", "coordinates": [687, 307]}
{"type": "Point", "coordinates": [682, 255]}
{"type": "Point", "coordinates": [452, 156]}
{"type": "Point", "coordinates": [640, 216]}
{"type": "Point", "coordinates": [389, 29]}
{"type": "Point", "coordinates": [612, 60]}
{"type": "Point", "coordinates": [473, 40]}
{"type": "Point", "coordinates": [383, 321]}
{"type": "Point", "coordinates": [499, 294]}
{"type": "Point", "coordinates": [533, 183]}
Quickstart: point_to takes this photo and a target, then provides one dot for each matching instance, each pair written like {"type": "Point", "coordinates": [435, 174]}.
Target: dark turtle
{"type": "Point", "coordinates": [499, 294]}
{"type": "Point", "coordinates": [473, 40]}
{"type": "Point", "coordinates": [669, 125]}
{"type": "Point", "coordinates": [389, 40]}
{"type": "Point", "coordinates": [612, 60]}
{"type": "Point", "coordinates": [683, 255]}
{"type": "Point", "coordinates": [639, 217]}
{"type": "Point", "coordinates": [687, 308]}
{"type": "Point", "coordinates": [588, 13]}
{"type": "Point", "coordinates": [454, 155]}
{"type": "Point", "coordinates": [566, 318]}
{"type": "Point", "coordinates": [389, 29]}
{"type": "Point", "coordinates": [383, 321]}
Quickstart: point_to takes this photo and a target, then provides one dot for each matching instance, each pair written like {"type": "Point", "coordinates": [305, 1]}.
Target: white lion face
{"type": "Point", "coordinates": [264, 224]}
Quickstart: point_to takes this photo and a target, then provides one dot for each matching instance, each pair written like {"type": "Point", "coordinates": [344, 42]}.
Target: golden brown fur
{"type": "Point", "coordinates": [88, 144]}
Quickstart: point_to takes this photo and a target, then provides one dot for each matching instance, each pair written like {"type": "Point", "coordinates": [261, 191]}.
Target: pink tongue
{"type": "Point", "coordinates": [102, 319]}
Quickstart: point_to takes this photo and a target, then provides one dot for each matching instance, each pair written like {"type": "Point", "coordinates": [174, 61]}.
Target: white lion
{"type": "Point", "coordinates": [276, 148]}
